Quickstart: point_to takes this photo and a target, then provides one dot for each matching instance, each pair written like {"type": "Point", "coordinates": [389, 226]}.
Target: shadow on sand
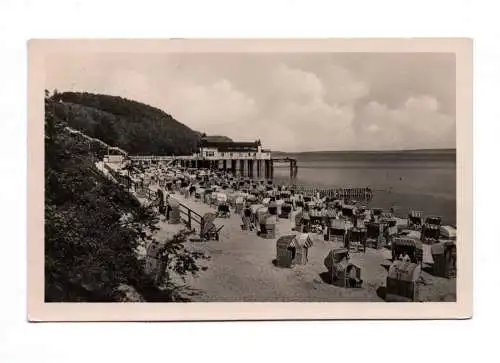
{"type": "Point", "coordinates": [428, 268]}
{"type": "Point", "coordinates": [381, 291]}
{"type": "Point", "coordinates": [326, 277]}
{"type": "Point", "coordinates": [196, 239]}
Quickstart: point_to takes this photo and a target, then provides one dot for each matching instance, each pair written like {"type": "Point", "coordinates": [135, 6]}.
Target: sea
{"type": "Point", "coordinates": [423, 180]}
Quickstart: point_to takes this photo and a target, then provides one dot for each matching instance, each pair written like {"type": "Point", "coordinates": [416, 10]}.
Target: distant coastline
{"type": "Point", "coordinates": [380, 155]}
{"type": "Point", "coordinates": [419, 151]}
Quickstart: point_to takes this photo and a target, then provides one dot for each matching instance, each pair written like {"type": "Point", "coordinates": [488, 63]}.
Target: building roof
{"type": "Point", "coordinates": [230, 145]}
{"type": "Point", "coordinates": [236, 149]}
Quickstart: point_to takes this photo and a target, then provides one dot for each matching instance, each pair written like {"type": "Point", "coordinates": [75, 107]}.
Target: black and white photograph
{"type": "Point", "coordinates": [238, 175]}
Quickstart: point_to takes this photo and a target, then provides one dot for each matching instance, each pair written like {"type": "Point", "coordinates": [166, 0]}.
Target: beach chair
{"type": "Point", "coordinates": [415, 219]}
{"type": "Point", "coordinates": [305, 222]}
{"type": "Point", "coordinates": [434, 220]}
{"type": "Point", "coordinates": [192, 189]}
{"type": "Point", "coordinates": [348, 211]}
{"type": "Point", "coordinates": [430, 233]}
{"type": "Point", "coordinates": [403, 282]}
{"type": "Point", "coordinates": [337, 231]}
{"type": "Point", "coordinates": [356, 239]}
{"type": "Point", "coordinates": [247, 220]}
{"type": "Point", "coordinates": [341, 271]}
{"type": "Point", "coordinates": [273, 208]}
{"type": "Point", "coordinates": [254, 208]}
{"type": "Point", "coordinates": [374, 235]}
{"type": "Point", "coordinates": [267, 227]}
{"type": "Point", "coordinates": [223, 211]}
{"type": "Point", "coordinates": [286, 209]}
{"type": "Point", "coordinates": [431, 230]}
{"type": "Point", "coordinates": [407, 246]}
{"type": "Point", "coordinates": [444, 255]}
{"type": "Point", "coordinates": [292, 250]}
{"type": "Point", "coordinates": [238, 204]}
{"type": "Point", "coordinates": [209, 230]}
{"type": "Point", "coordinates": [317, 220]}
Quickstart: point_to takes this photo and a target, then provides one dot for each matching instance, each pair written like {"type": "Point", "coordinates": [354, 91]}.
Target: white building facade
{"type": "Point", "coordinates": [216, 150]}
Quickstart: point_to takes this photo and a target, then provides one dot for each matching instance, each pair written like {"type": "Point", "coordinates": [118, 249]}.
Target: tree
{"type": "Point", "coordinates": [132, 126]}
{"type": "Point", "coordinates": [93, 227]}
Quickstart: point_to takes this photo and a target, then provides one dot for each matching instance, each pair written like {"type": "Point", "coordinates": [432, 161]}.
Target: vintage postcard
{"type": "Point", "coordinates": [174, 180]}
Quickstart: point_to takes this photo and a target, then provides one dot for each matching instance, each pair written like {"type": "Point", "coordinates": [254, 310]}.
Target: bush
{"type": "Point", "coordinates": [90, 248]}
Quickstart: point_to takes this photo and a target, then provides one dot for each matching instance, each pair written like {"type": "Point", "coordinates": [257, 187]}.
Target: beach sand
{"type": "Point", "coordinates": [241, 269]}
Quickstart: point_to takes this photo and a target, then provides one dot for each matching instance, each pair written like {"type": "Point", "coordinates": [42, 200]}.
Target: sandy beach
{"type": "Point", "coordinates": [241, 268]}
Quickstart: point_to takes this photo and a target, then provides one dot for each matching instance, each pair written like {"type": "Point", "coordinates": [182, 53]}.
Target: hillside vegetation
{"type": "Point", "coordinates": [93, 226]}
{"type": "Point", "coordinates": [133, 126]}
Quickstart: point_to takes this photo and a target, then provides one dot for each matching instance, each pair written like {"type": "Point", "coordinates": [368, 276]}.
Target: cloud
{"type": "Point", "coordinates": [313, 110]}
{"type": "Point", "coordinates": [289, 101]}
{"type": "Point", "coordinates": [129, 84]}
{"type": "Point", "coordinates": [216, 108]}
{"type": "Point", "coordinates": [343, 87]}
{"type": "Point", "coordinates": [415, 124]}
{"type": "Point", "coordinates": [295, 85]}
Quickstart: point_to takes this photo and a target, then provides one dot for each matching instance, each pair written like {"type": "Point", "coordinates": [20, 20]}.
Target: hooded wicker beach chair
{"type": "Point", "coordinates": [356, 239]}
{"type": "Point", "coordinates": [410, 247]}
{"type": "Point", "coordinates": [337, 231]}
{"type": "Point", "coordinates": [444, 255]}
{"type": "Point", "coordinates": [415, 219]}
{"type": "Point", "coordinates": [292, 250]}
{"type": "Point", "coordinates": [223, 210]}
{"type": "Point", "coordinates": [209, 231]}
{"type": "Point", "coordinates": [286, 209]}
{"type": "Point", "coordinates": [402, 283]}
{"type": "Point", "coordinates": [431, 229]}
{"type": "Point", "coordinates": [341, 271]}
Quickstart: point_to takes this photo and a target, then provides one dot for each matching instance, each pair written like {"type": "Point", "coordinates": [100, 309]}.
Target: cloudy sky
{"type": "Point", "coordinates": [292, 102]}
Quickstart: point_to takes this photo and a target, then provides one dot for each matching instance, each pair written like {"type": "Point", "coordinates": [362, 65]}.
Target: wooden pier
{"type": "Point", "coordinates": [244, 167]}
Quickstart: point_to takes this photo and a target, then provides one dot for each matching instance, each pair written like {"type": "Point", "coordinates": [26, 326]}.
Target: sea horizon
{"type": "Point", "coordinates": [419, 181]}
{"type": "Point", "coordinates": [387, 151]}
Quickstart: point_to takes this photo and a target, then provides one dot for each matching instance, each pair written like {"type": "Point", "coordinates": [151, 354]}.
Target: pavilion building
{"type": "Point", "coordinates": [240, 158]}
